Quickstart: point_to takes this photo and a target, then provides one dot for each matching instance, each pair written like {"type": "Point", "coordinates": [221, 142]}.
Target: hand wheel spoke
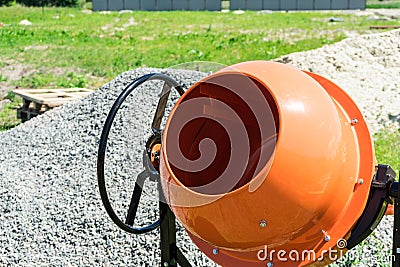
{"type": "Point", "coordinates": [162, 103]}
{"type": "Point", "coordinates": [135, 199]}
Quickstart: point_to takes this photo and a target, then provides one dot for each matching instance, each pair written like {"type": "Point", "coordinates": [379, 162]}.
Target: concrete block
{"type": "Point", "coordinates": [100, 5]}
{"type": "Point", "coordinates": [148, 4]}
{"type": "Point", "coordinates": [254, 5]}
{"type": "Point", "coordinates": [357, 4]}
{"type": "Point", "coordinates": [271, 5]}
{"type": "Point", "coordinates": [180, 4]}
{"type": "Point", "coordinates": [132, 4]}
{"type": "Point", "coordinates": [237, 4]}
{"type": "Point", "coordinates": [197, 4]}
{"type": "Point", "coordinates": [322, 4]}
{"type": "Point", "coordinates": [305, 4]}
{"type": "Point", "coordinates": [213, 5]}
{"type": "Point", "coordinates": [340, 4]}
{"type": "Point", "coordinates": [164, 4]}
{"type": "Point", "coordinates": [288, 5]}
{"type": "Point", "coordinates": [115, 5]}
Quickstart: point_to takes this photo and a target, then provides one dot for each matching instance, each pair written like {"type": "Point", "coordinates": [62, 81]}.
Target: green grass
{"type": "Point", "coordinates": [2, 78]}
{"type": "Point", "coordinates": [97, 46]}
{"type": "Point", "coordinates": [383, 4]}
{"type": "Point", "coordinates": [66, 47]}
{"type": "Point", "coordinates": [70, 80]}
{"type": "Point", "coordinates": [394, 5]}
{"type": "Point", "coordinates": [7, 112]}
{"type": "Point", "coordinates": [387, 148]}
{"type": "Point", "coordinates": [158, 39]}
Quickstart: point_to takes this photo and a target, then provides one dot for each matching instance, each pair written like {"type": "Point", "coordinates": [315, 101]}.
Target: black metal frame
{"type": "Point", "coordinates": [376, 206]}
{"type": "Point", "coordinates": [171, 255]}
{"type": "Point", "coordinates": [384, 191]}
{"type": "Point", "coordinates": [394, 192]}
{"type": "Point", "coordinates": [396, 233]}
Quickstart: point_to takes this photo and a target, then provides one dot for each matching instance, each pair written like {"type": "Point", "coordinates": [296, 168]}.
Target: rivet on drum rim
{"type": "Point", "coordinates": [215, 251]}
{"type": "Point", "coordinates": [327, 238]}
{"type": "Point", "coordinates": [263, 223]}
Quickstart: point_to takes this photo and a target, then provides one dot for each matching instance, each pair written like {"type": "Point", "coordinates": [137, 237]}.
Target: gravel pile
{"type": "Point", "coordinates": [367, 67]}
{"type": "Point", "coordinates": [50, 210]}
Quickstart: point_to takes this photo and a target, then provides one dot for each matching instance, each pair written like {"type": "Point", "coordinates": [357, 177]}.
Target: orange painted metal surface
{"type": "Point", "coordinates": [390, 210]}
{"type": "Point", "coordinates": [314, 150]}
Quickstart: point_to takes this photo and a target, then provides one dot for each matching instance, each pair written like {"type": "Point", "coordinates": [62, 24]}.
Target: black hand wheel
{"type": "Point", "coordinates": [150, 171]}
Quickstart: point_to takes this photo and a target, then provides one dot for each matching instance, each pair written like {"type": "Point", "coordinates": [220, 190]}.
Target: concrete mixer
{"type": "Point", "coordinates": [264, 165]}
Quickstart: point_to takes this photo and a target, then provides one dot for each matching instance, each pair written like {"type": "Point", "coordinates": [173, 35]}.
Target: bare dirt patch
{"type": "Point", "coordinates": [12, 71]}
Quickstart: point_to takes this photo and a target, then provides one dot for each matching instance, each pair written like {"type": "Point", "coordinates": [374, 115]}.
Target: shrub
{"type": "Point", "coordinates": [70, 3]}
{"type": "Point", "coordinates": [31, 2]}
{"type": "Point", "coordinates": [6, 2]}
{"type": "Point", "coordinates": [65, 3]}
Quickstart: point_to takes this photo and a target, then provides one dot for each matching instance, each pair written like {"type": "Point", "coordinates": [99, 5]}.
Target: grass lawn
{"type": "Point", "coordinates": [8, 116]}
{"type": "Point", "coordinates": [383, 4]}
{"type": "Point", "coordinates": [387, 148]}
{"type": "Point", "coordinates": [67, 47]}
{"type": "Point", "coordinates": [73, 48]}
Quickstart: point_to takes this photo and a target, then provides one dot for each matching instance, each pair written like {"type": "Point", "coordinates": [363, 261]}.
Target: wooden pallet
{"type": "Point", "coordinates": [38, 101]}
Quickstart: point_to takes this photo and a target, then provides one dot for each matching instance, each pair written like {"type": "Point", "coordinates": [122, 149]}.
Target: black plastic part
{"type": "Point", "coordinates": [376, 206]}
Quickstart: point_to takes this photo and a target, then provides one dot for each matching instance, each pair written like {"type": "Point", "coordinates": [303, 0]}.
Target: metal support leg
{"type": "Point", "coordinates": [168, 236]}
{"type": "Point", "coordinates": [171, 256]}
{"type": "Point", "coordinates": [396, 227]}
